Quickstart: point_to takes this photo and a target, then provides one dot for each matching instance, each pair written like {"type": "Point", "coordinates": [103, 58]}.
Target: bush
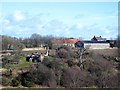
{"type": "Point", "coordinates": [46, 61]}
{"type": "Point", "coordinates": [66, 52]}
{"type": "Point", "coordinates": [62, 53]}
{"type": "Point", "coordinates": [40, 75]}
{"type": "Point", "coordinates": [55, 65]}
{"type": "Point", "coordinates": [15, 83]}
{"type": "Point", "coordinates": [27, 83]}
{"type": "Point", "coordinates": [72, 62]}
{"type": "Point", "coordinates": [5, 81]}
{"type": "Point", "coordinates": [8, 73]}
{"type": "Point", "coordinates": [73, 77]}
{"type": "Point", "coordinates": [64, 47]}
{"type": "Point", "coordinates": [52, 83]}
{"type": "Point", "coordinates": [117, 59]}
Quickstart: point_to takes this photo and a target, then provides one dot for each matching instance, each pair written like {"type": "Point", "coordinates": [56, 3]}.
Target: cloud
{"type": "Point", "coordinates": [75, 30]}
{"type": "Point", "coordinates": [104, 25]}
{"type": "Point", "coordinates": [18, 15]}
{"type": "Point", "coordinates": [79, 25]}
{"type": "Point", "coordinates": [107, 31]}
{"type": "Point", "coordinates": [102, 19]}
{"type": "Point", "coordinates": [104, 31]}
{"type": "Point", "coordinates": [6, 22]}
{"type": "Point", "coordinates": [88, 31]}
{"type": "Point", "coordinates": [23, 24]}
{"type": "Point", "coordinates": [98, 18]}
{"type": "Point", "coordinates": [0, 15]}
{"type": "Point", "coordinates": [79, 16]}
{"type": "Point", "coordinates": [55, 27]}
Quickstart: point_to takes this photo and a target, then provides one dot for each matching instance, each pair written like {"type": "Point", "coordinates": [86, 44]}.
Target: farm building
{"type": "Point", "coordinates": [98, 38]}
{"type": "Point", "coordinates": [95, 43]}
{"type": "Point", "coordinates": [92, 45]}
{"type": "Point", "coordinates": [65, 41]}
{"type": "Point", "coordinates": [70, 41]}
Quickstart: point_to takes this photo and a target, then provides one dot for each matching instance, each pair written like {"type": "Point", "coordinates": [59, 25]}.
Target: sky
{"type": "Point", "coordinates": [62, 19]}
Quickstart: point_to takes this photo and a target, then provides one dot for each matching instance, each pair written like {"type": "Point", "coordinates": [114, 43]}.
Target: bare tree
{"type": "Point", "coordinates": [81, 53]}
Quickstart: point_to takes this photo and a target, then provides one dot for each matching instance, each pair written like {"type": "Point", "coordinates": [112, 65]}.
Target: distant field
{"type": "Point", "coordinates": [38, 51]}
{"type": "Point", "coordinates": [32, 49]}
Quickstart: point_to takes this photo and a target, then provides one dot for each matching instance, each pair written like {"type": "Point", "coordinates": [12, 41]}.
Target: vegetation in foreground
{"type": "Point", "coordinates": [65, 69]}
{"type": "Point", "coordinates": [60, 89]}
{"type": "Point", "coordinates": [68, 67]}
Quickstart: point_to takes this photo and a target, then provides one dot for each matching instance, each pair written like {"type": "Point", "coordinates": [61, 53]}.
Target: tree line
{"type": "Point", "coordinates": [35, 40]}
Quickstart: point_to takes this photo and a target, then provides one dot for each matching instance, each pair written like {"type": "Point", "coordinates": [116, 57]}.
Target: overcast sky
{"type": "Point", "coordinates": [64, 19]}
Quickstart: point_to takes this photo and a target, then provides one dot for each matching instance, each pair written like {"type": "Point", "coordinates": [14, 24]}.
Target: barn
{"type": "Point", "coordinates": [94, 43]}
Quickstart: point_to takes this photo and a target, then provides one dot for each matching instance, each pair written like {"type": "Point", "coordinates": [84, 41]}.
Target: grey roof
{"type": "Point", "coordinates": [98, 38]}
{"type": "Point", "coordinates": [95, 41]}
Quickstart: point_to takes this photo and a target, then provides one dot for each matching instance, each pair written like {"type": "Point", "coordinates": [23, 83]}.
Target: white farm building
{"type": "Point", "coordinates": [94, 43]}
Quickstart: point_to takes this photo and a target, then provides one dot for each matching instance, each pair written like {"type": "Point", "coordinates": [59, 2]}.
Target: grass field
{"type": "Point", "coordinates": [22, 64]}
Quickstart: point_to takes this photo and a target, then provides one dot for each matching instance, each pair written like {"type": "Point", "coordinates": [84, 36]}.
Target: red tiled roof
{"type": "Point", "coordinates": [58, 41]}
{"type": "Point", "coordinates": [65, 41]}
{"type": "Point", "coordinates": [70, 41]}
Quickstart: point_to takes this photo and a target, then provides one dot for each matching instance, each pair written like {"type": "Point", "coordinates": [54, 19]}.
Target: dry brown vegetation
{"type": "Point", "coordinates": [106, 52]}
{"type": "Point", "coordinates": [65, 67]}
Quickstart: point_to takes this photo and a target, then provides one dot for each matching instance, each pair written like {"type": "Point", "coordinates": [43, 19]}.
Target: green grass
{"type": "Point", "coordinates": [117, 59]}
{"type": "Point", "coordinates": [22, 63]}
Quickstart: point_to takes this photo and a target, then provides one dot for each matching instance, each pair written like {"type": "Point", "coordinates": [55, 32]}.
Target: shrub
{"type": "Point", "coordinates": [5, 81]}
{"type": "Point", "coordinates": [64, 47]}
{"type": "Point", "coordinates": [74, 77]}
{"type": "Point", "coordinates": [52, 83]}
{"type": "Point", "coordinates": [41, 75]}
{"type": "Point", "coordinates": [46, 61]}
{"type": "Point", "coordinates": [62, 53]}
{"type": "Point", "coordinates": [27, 83]}
{"type": "Point", "coordinates": [72, 62]}
{"type": "Point", "coordinates": [15, 83]}
{"type": "Point", "coordinates": [8, 73]}
{"type": "Point", "coordinates": [66, 52]}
